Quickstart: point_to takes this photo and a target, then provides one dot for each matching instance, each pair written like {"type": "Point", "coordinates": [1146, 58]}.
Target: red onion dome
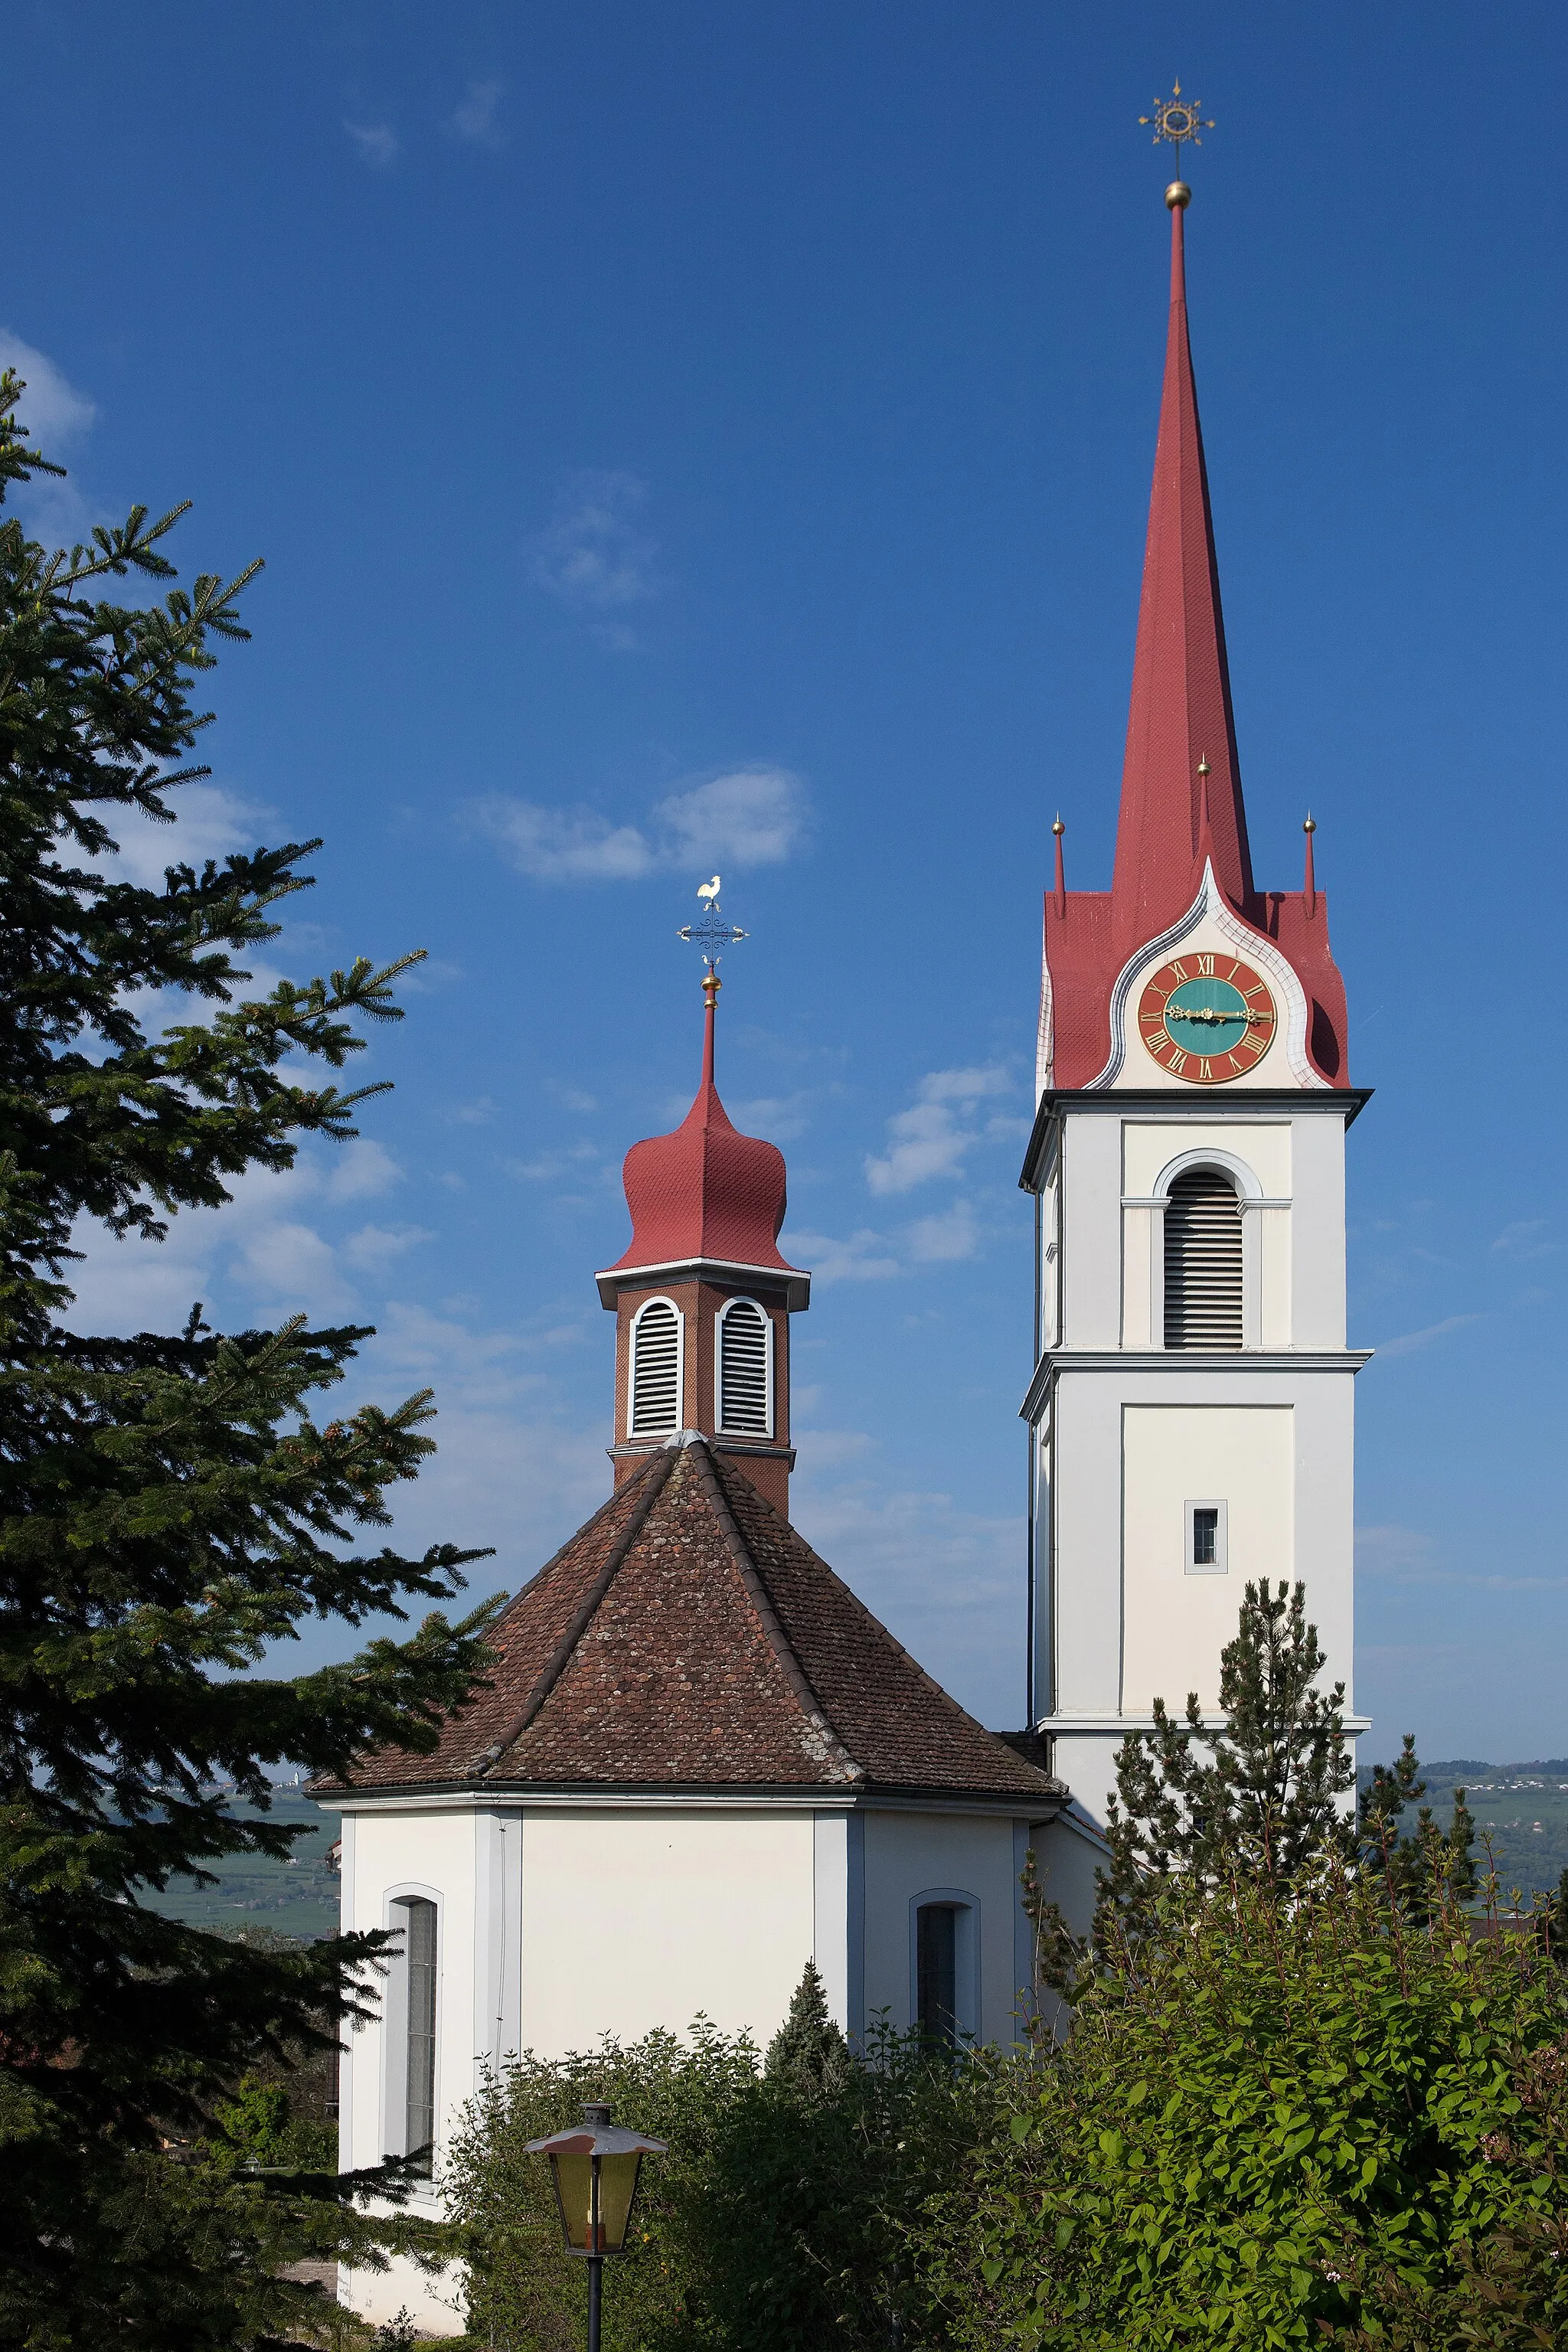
{"type": "Point", "coordinates": [706, 1190]}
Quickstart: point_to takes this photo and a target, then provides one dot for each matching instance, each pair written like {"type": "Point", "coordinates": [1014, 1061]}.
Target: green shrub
{"type": "Point", "coordinates": [1280, 2122]}
{"type": "Point", "coordinates": [776, 2223]}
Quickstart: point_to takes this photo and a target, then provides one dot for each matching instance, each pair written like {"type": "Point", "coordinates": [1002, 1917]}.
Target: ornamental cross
{"type": "Point", "coordinates": [1177, 119]}
{"type": "Point", "coordinates": [712, 932]}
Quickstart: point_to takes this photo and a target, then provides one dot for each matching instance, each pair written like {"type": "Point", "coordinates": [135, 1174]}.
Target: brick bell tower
{"type": "Point", "coordinates": [702, 1296]}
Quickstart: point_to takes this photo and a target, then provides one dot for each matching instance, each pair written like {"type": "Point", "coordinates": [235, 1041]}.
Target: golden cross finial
{"type": "Point", "coordinates": [1177, 119]}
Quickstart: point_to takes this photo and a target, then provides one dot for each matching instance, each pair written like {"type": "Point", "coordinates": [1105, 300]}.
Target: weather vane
{"type": "Point", "coordinates": [712, 932]}
{"type": "Point", "coordinates": [1177, 119]}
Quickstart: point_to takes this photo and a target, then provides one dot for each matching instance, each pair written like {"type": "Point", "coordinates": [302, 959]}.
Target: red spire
{"type": "Point", "coordinates": [706, 1190]}
{"type": "Point", "coordinates": [1181, 715]}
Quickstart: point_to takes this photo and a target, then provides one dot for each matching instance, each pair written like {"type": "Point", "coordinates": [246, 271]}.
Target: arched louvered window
{"type": "Point", "coordinates": [745, 1371]}
{"type": "Point", "coordinates": [655, 1407]}
{"type": "Point", "coordinates": [1202, 1261]}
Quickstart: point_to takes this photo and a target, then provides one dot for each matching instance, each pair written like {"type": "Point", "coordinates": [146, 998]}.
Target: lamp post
{"type": "Point", "coordinates": [596, 2169]}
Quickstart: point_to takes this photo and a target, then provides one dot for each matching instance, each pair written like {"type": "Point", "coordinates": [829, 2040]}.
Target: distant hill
{"type": "Point", "coordinates": [297, 1897]}
{"type": "Point", "coordinates": [1521, 1812]}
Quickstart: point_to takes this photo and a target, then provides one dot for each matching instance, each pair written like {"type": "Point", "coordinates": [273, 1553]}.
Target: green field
{"type": "Point", "coordinates": [298, 1898]}
{"type": "Point", "coordinates": [1521, 1816]}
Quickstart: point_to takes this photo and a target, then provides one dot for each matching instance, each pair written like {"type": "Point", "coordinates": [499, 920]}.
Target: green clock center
{"type": "Point", "coordinates": [1206, 1016]}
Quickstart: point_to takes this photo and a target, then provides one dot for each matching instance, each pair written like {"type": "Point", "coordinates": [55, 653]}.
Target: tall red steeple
{"type": "Point", "coordinates": [1181, 714]}
{"type": "Point", "coordinates": [1182, 812]}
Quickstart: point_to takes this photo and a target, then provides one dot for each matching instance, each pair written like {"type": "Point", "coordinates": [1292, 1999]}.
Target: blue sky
{"type": "Point", "coordinates": [720, 436]}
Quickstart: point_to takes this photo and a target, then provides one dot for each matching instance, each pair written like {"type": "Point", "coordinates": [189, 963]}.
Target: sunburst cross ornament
{"type": "Point", "coordinates": [1177, 119]}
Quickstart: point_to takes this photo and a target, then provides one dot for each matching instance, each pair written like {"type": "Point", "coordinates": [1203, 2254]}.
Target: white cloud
{"type": "Point", "coordinates": [474, 119]}
{"type": "Point", "coordinates": [210, 822]}
{"type": "Point", "coordinates": [51, 408]}
{"type": "Point", "coordinates": [1408, 1341]}
{"type": "Point", "coordinates": [863, 1256]}
{"type": "Point", "coordinates": [1528, 1238]}
{"type": "Point", "coordinates": [753, 816]}
{"type": "Point", "coordinates": [932, 1136]}
{"type": "Point", "coordinates": [477, 1113]}
{"type": "Point", "coordinates": [548, 1165]}
{"type": "Point", "coordinates": [779, 1117]}
{"type": "Point", "coordinates": [375, 144]}
{"type": "Point", "coordinates": [294, 1268]}
{"type": "Point", "coordinates": [361, 1171]}
{"type": "Point", "coordinates": [592, 556]}
{"type": "Point", "coordinates": [952, 1235]}
{"type": "Point", "coordinates": [556, 845]}
{"type": "Point", "coordinates": [375, 1246]}
{"type": "Point", "coordinates": [746, 818]}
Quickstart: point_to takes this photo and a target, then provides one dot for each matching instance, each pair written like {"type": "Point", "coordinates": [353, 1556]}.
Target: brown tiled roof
{"type": "Point", "coordinates": [687, 1638]}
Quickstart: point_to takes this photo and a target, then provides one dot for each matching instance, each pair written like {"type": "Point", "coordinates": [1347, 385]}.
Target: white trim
{"type": "Point", "coordinates": [632, 1429]}
{"type": "Point", "coordinates": [1257, 945]}
{"type": "Point", "coordinates": [1019, 1804]}
{"type": "Point", "coordinates": [1220, 1564]}
{"type": "Point", "coordinates": [794, 1281]}
{"type": "Point", "coordinates": [743, 1299]}
{"type": "Point", "coordinates": [965, 1958]}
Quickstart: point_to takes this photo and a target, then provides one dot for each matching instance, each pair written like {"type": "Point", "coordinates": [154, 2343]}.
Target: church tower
{"type": "Point", "coordinates": [1191, 1407]}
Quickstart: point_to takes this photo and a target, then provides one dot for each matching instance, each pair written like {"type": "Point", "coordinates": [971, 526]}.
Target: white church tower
{"type": "Point", "coordinates": [1191, 1407]}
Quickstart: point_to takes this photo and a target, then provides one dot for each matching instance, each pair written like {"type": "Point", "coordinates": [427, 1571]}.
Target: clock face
{"type": "Point", "coordinates": [1206, 1018]}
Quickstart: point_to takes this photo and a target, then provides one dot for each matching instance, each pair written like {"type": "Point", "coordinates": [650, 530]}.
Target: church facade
{"type": "Point", "coordinates": [699, 1761]}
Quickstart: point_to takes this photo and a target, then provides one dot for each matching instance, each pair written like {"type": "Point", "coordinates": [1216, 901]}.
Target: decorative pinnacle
{"type": "Point", "coordinates": [1177, 119]}
{"type": "Point", "coordinates": [711, 933]}
{"type": "Point", "coordinates": [1059, 828]}
{"type": "Point", "coordinates": [1310, 824]}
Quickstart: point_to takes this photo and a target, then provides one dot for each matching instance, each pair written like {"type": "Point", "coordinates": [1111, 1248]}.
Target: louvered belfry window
{"type": "Point", "coordinates": [743, 1383]}
{"type": "Point", "coordinates": [656, 1369]}
{"type": "Point", "coordinates": [1202, 1261]}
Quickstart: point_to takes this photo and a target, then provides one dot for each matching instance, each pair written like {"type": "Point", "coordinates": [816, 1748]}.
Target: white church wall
{"type": "Point", "coordinates": [1086, 1580]}
{"type": "Point", "coordinates": [946, 1856]}
{"type": "Point", "coordinates": [1318, 1233]}
{"type": "Point", "coordinates": [1091, 1232]}
{"type": "Point", "coordinates": [1177, 1620]}
{"type": "Point", "coordinates": [387, 1855]}
{"type": "Point", "coordinates": [641, 1919]}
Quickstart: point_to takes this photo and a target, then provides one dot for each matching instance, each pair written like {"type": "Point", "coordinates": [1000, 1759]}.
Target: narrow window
{"type": "Point", "coordinates": [745, 1338]}
{"type": "Point", "coordinates": [419, 2121]}
{"type": "Point", "coordinates": [1203, 1261]}
{"type": "Point", "coordinates": [656, 1369]}
{"type": "Point", "coordinates": [936, 1971]}
{"type": "Point", "coordinates": [1208, 1544]}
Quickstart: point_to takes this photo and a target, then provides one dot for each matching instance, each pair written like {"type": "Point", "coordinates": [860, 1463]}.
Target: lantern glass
{"type": "Point", "coordinates": [590, 2231]}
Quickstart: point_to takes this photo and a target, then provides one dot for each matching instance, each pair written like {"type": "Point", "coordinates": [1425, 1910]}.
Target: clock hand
{"type": "Point", "coordinates": [1214, 1015]}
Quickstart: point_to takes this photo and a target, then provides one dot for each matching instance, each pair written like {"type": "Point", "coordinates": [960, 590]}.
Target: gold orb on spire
{"type": "Point", "coordinates": [1177, 119]}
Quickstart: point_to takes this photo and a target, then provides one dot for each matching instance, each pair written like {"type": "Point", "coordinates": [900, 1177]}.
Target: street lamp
{"type": "Point", "coordinates": [596, 2169]}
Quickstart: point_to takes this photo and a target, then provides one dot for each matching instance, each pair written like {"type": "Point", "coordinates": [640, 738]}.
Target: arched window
{"type": "Point", "coordinates": [746, 1400]}
{"type": "Point", "coordinates": [1202, 1261]}
{"type": "Point", "coordinates": [654, 1408]}
{"type": "Point", "coordinates": [419, 2032]}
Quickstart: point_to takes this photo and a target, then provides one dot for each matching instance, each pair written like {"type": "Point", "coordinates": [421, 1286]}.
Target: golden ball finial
{"type": "Point", "coordinates": [1310, 824]}
{"type": "Point", "coordinates": [1178, 196]}
{"type": "Point", "coordinates": [1059, 828]}
{"type": "Point", "coordinates": [1204, 767]}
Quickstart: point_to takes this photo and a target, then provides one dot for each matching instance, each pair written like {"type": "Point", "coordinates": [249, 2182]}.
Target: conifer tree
{"type": "Point", "coordinates": [1260, 1794]}
{"type": "Point", "coordinates": [808, 2055]}
{"type": "Point", "coordinates": [171, 1506]}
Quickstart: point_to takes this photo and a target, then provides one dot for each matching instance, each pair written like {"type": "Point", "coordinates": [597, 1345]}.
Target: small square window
{"type": "Point", "coordinates": [1205, 1536]}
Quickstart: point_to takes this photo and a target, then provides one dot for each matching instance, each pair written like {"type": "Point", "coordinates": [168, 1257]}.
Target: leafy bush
{"type": "Point", "coordinates": [1280, 2121]}
{"type": "Point", "coordinates": [777, 2220]}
